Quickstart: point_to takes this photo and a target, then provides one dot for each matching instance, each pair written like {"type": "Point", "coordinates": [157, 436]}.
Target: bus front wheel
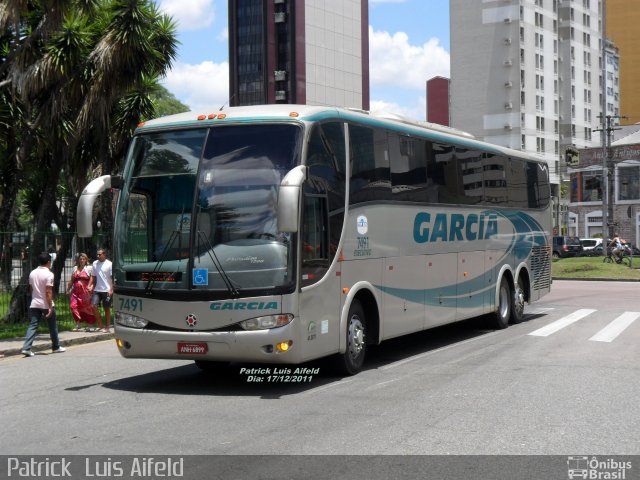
{"type": "Point", "coordinates": [350, 362]}
{"type": "Point", "coordinates": [503, 312]}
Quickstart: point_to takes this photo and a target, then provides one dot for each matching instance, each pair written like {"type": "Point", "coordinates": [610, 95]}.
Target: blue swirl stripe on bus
{"type": "Point", "coordinates": [528, 234]}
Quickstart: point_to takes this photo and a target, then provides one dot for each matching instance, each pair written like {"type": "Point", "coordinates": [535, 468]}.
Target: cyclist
{"type": "Point", "coordinates": [616, 246]}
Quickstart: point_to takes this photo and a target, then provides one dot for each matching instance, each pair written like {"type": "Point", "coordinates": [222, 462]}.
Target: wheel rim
{"type": "Point", "coordinates": [504, 301]}
{"type": "Point", "coordinates": [518, 301]}
{"type": "Point", "coordinates": [355, 337]}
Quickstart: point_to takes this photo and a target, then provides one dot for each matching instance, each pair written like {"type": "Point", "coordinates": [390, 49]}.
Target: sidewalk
{"type": "Point", "coordinates": [12, 346]}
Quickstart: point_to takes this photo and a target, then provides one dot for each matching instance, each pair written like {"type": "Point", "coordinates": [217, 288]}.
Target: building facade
{"type": "Point", "coordinates": [525, 74]}
{"type": "Point", "coordinates": [299, 51]}
{"type": "Point", "coordinates": [438, 101]}
{"type": "Point", "coordinates": [586, 188]}
{"type": "Point", "coordinates": [623, 18]}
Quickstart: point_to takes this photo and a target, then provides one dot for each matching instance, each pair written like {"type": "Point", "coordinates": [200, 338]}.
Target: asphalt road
{"type": "Point", "coordinates": [565, 381]}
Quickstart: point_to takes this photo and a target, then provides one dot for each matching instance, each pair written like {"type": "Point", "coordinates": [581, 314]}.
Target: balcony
{"type": "Point", "coordinates": [280, 75]}
{"type": "Point", "coordinates": [281, 95]}
{"type": "Point", "coordinates": [280, 17]}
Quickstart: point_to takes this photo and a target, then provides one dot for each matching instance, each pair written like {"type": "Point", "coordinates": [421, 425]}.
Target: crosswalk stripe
{"type": "Point", "coordinates": [561, 323]}
{"type": "Point", "coordinates": [615, 328]}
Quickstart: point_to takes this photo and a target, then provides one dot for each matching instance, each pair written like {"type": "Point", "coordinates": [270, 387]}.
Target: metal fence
{"type": "Point", "coordinates": [17, 260]}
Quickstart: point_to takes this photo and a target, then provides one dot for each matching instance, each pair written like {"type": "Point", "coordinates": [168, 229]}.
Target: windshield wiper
{"type": "Point", "coordinates": [216, 263]}
{"type": "Point", "coordinates": [163, 256]}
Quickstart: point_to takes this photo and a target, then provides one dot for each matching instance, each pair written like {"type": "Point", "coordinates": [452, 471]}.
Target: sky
{"type": "Point", "coordinates": [408, 44]}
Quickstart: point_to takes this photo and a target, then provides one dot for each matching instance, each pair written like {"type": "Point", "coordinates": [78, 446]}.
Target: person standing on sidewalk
{"type": "Point", "coordinates": [101, 285]}
{"type": "Point", "coordinates": [41, 288]}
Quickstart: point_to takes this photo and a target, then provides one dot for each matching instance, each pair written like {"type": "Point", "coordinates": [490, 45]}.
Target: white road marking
{"type": "Point", "coordinates": [615, 328]}
{"type": "Point", "coordinates": [561, 323]}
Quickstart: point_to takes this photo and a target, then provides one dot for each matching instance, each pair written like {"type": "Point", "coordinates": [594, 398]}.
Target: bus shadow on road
{"type": "Point", "coordinates": [276, 381]}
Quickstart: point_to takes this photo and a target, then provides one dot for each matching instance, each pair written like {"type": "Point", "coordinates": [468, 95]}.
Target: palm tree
{"type": "Point", "coordinates": [82, 72]}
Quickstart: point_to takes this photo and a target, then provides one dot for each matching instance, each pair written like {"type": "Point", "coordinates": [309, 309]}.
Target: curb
{"type": "Point", "coordinates": [596, 279]}
{"type": "Point", "coordinates": [45, 345]}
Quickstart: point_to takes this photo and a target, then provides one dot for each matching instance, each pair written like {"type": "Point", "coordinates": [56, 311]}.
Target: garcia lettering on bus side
{"type": "Point", "coordinates": [451, 227]}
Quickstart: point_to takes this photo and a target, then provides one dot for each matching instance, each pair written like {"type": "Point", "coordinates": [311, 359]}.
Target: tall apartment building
{"type": "Point", "coordinates": [299, 51]}
{"type": "Point", "coordinates": [525, 74]}
{"type": "Point", "coordinates": [623, 18]}
{"type": "Point", "coordinates": [612, 80]}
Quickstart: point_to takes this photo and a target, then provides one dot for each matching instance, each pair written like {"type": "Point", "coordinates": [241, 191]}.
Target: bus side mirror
{"type": "Point", "coordinates": [88, 198]}
{"type": "Point", "coordinates": [289, 199]}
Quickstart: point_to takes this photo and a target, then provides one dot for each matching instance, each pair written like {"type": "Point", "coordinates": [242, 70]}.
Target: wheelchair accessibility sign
{"type": "Point", "coordinates": [200, 277]}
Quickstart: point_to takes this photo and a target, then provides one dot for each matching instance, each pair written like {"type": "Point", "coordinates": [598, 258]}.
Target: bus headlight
{"type": "Point", "coordinates": [264, 323]}
{"type": "Point", "coordinates": [131, 321]}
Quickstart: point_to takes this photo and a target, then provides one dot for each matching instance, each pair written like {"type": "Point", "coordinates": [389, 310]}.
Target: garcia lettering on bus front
{"type": "Point", "coordinates": [244, 306]}
{"type": "Point", "coordinates": [451, 227]}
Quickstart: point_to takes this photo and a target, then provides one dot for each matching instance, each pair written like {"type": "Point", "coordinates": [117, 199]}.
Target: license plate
{"type": "Point", "coordinates": [192, 348]}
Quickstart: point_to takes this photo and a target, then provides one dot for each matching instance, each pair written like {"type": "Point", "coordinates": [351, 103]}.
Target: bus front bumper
{"type": "Point", "coordinates": [277, 345]}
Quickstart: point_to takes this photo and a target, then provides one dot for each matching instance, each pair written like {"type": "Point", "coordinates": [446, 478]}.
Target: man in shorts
{"type": "Point", "coordinates": [101, 284]}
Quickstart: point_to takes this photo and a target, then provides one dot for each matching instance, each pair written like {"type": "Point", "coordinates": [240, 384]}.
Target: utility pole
{"type": "Point", "coordinates": [605, 176]}
{"type": "Point", "coordinates": [608, 170]}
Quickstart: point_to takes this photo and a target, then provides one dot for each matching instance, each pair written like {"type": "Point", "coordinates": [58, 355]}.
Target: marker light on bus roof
{"type": "Point", "coordinates": [211, 116]}
{"type": "Point", "coordinates": [294, 114]}
{"type": "Point", "coordinates": [201, 117]}
{"type": "Point", "coordinates": [222, 116]}
{"type": "Point", "coordinates": [141, 124]}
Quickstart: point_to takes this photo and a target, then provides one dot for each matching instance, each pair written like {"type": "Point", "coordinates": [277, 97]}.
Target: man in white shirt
{"type": "Point", "coordinates": [41, 288]}
{"type": "Point", "coordinates": [101, 284]}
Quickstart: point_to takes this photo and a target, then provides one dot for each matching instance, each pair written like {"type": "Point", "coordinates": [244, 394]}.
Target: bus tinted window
{"type": "Point", "coordinates": [442, 172]}
{"type": "Point", "coordinates": [370, 179]}
{"type": "Point", "coordinates": [408, 168]}
{"type": "Point", "coordinates": [471, 169]}
{"type": "Point", "coordinates": [496, 179]}
{"type": "Point", "coordinates": [323, 207]}
{"type": "Point", "coordinates": [538, 185]}
{"type": "Point", "coordinates": [517, 188]}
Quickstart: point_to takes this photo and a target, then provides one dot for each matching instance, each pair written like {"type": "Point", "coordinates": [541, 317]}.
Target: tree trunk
{"type": "Point", "coordinates": [46, 212]}
{"type": "Point", "coordinates": [19, 307]}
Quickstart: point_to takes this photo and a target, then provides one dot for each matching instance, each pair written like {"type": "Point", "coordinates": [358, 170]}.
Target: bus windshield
{"type": "Point", "coordinates": [198, 210]}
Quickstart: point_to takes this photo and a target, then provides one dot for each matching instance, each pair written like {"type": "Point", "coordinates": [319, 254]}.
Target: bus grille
{"type": "Point", "coordinates": [541, 267]}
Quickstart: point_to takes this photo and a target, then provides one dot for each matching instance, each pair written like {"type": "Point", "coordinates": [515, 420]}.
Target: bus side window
{"type": "Point", "coordinates": [315, 252]}
{"type": "Point", "coordinates": [314, 230]}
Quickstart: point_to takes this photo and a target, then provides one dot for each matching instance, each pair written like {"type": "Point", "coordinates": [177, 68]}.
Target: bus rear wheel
{"type": "Point", "coordinates": [503, 313]}
{"type": "Point", "coordinates": [350, 362]}
{"type": "Point", "coordinates": [518, 300]}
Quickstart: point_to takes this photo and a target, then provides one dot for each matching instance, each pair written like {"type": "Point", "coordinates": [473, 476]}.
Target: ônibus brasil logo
{"type": "Point", "coordinates": [594, 468]}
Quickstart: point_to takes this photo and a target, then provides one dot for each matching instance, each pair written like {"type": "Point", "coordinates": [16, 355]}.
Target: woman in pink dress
{"type": "Point", "coordinates": [81, 308]}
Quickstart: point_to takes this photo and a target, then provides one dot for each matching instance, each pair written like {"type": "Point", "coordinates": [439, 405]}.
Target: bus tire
{"type": "Point", "coordinates": [210, 366]}
{"type": "Point", "coordinates": [517, 303]}
{"type": "Point", "coordinates": [503, 311]}
{"type": "Point", "coordinates": [350, 362]}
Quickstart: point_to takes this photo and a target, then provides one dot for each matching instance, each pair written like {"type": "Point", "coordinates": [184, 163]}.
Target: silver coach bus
{"type": "Point", "coordinates": [284, 233]}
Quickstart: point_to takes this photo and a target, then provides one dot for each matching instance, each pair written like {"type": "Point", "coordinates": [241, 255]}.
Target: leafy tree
{"type": "Point", "coordinates": [76, 77]}
{"type": "Point", "coordinates": [167, 104]}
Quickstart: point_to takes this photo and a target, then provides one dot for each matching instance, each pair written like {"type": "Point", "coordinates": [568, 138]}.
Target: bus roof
{"type": "Point", "coordinates": [320, 112]}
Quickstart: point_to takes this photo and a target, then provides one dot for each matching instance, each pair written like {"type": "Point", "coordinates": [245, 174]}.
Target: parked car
{"type": "Point", "coordinates": [590, 243]}
{"type": "Point", "coordinates": [591, 247]}
{"type": "Point", "coordinates": [565, 246]}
